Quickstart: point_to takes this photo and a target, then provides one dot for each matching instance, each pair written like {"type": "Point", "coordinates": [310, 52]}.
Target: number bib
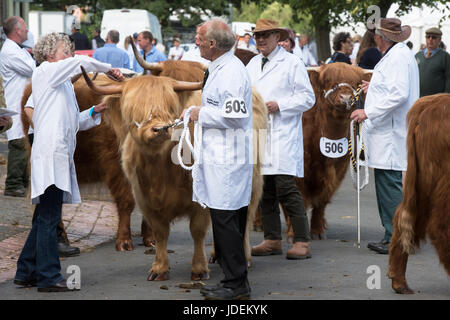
{"type": "Point", "coordinates": [333, 148]}
{"type": "Point", "coordinates": [234, 108]}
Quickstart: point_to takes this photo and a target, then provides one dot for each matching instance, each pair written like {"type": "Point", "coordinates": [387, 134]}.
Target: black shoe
{"type": "Point", "coordinates": [16, 193]}
{"type": "Point", "coordinates": [223, 293]}
{"type": "Point", "coordinates": [65, 250]}
{"type": "Point", "coordinates": [28, 283]}
{"type": "Point", "coordinates": [380, 247]}
{"type": "Point", "coordinates": [57, 287]}
{"type": "Point", "coordinates": [205, 289]}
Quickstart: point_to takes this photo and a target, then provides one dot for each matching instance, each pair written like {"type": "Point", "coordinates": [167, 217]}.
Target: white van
{"type": "Point", "coordinates": [129, 21]}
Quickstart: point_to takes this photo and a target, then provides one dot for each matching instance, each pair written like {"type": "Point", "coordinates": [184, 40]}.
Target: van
{"type": "Point", "coordinates": [240, 28]}
{"type": "Point", "coordinates": [129, 21]}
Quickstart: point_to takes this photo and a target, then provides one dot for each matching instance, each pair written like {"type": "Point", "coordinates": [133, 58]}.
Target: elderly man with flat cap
{"type": "Point", "coordinates": [434, 65]}
{"type": "Point", "coordinates": [392, 91]}
{"type": "Point", "coordinates": [282, 80]}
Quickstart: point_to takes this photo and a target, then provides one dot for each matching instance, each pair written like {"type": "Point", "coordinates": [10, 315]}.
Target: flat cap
{"type": "Point", "coordinates": [434, 31]}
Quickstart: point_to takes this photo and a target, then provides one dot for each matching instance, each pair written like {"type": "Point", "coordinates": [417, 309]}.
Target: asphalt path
{"type": "Point", "coordinates": [337, 269]}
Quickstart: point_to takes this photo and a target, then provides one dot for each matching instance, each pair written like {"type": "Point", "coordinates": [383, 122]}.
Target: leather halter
{"type": "Point", "coordinates": [334, 89]}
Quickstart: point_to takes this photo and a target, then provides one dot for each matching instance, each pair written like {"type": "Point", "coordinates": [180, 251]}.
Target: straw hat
{"type": "Point", "coordinates": [269, 25]}
{"type": "Point", "coordinates": [393, 30]}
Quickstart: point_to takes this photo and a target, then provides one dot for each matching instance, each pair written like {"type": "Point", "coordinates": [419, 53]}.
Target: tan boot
{"type": "Point", "coordinates": [267, 247]}
{"type": "Point", "coordinates": [299, 250]}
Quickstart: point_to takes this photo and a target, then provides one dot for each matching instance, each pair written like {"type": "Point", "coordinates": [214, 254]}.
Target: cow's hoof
{"type": "Point", "coordinates": [153, 276]}
{"type": "Point", "coordinates": [149, 242]}
{"type": "Point", "coordinates": [212, 260]}
{"type": "Point", "coordinates": [403, 290]}
{"type": "Point", "coordinates": [199, 276]}
{"type": "Point", "coordinates": [124, 245]}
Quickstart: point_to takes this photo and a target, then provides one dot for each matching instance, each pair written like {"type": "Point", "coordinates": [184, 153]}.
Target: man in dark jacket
{"type": "Point", "coordinates": [80, 39]}
{"type": "Point", "coordinates": [434, 65]}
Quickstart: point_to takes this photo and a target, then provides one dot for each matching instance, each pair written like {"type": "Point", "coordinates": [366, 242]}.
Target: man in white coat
{"type": "Point", "coordinates": [16, 69]}
{"type": "Point", "coordinates": [224, 176]}
{"type": "Point", "coordinates": [282, 80]}
{"type": "Point", "coordinates": [56, 120]}
{"type": "Point", "coordinates": [392, 91]}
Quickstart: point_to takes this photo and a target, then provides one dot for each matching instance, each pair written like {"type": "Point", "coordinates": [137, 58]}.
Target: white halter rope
{"type": "Point", "coordinates": [332, 90]}
{"type": "Point", "coordinates": [143, 123]}
{"type": "Point", "coordinates": [195, 150]}
{"type": "Point", "coordinates": [355, 150]}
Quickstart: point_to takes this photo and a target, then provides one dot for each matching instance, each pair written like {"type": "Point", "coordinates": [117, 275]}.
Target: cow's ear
{"type": "Point", "coordinates": [367, 75]}
{"type": "Point", "coordinates": [314, 77]}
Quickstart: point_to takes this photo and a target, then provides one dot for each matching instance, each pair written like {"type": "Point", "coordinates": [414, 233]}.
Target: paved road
{"type": "Point", "coordinates": [337, 269]}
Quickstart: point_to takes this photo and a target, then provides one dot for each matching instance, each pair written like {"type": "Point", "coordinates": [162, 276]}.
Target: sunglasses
{"type": "Point", "coordinates": [264, 34]}
{"type": "Point", "coordinates": [432, 37]}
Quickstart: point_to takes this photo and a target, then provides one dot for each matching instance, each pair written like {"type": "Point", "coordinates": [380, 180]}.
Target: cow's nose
{"type": "Point", "coordinates": [345, 97]}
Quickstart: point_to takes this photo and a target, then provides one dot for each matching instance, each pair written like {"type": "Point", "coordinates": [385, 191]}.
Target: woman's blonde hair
{"type": "Point", "coordinates": [48, 44]}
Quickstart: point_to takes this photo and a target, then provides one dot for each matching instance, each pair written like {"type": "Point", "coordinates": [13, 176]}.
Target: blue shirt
{"type": "Point", "coordinates": [433, 52]}
{"type": "Point", "coordinates": [109, 53]}
{"type": "Point", "coordinates": [153, 56]}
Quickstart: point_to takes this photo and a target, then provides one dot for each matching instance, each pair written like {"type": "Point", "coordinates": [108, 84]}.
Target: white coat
{"type": "Point", "coordinates": [224, 179]}
{"type": "Point", "coordinates": [393, 89]}
{"type": "Point", "coordinates": [16, 69]}
{"type": "Point", "coordinates": [57, 120]}
{"type": "Point", "coordinates": [284, 80]}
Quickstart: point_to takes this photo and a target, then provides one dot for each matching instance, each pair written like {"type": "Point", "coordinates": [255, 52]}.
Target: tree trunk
{"type": "Point", "coordinates": [384, 7]}
{"type": "Point", "coordinates": [323, 40]}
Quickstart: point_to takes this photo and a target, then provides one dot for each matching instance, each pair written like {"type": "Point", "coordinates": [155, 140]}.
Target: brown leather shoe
{"type": "Point", "coordinates": [267, 248]}
{"type": "Point", "coordinates": [299, 250]}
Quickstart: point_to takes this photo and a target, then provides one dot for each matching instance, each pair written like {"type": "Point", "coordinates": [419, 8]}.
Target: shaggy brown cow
{"type": "Point", "coordinates": [171, 69]}
{"type": "Point", "coordinates": [244, 55]}
{"type": "Point", "coordinates": [329, 118]}
{"type": "Point", "coordinates": [162, 189]}
{"type": "Point", "coordinates": [425, 209]}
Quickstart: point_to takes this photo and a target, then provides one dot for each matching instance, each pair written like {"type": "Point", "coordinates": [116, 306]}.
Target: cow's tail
{"type": "Point", "coordinates": [407, 210]}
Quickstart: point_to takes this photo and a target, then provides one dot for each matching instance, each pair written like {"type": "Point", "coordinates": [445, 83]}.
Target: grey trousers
{"type": "Point", "coordinates": [282, 189]}
{"type": "Point", "coordinates": [17, 170]}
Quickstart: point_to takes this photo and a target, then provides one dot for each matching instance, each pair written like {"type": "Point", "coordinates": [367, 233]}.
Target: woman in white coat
{"type": "Point", "coordinates": [56, 121]}
{"type": "Point", "coordinates": [393, 89]}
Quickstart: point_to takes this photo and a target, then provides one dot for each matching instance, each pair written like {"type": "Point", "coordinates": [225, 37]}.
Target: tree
{"type": "Point", "coordinates": [331, 13]}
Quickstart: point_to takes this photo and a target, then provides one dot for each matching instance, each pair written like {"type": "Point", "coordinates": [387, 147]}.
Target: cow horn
{"type": "Point", "coordinates": [106, 90]}
{"type": "Point", "coordinates": [78, 76]}
{"type": "Point", "coordinates": [187, 86]}
{"type": "Point", "coordinates": [157, 67]}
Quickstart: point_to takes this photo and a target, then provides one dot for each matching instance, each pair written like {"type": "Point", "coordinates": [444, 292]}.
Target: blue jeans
{"type": "Point", "coordinates": [39, 259]}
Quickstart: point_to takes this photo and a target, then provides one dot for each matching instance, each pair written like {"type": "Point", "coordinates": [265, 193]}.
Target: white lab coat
{"type": "Point", "coordinates": [57, 120]}
{"type": "Point", "coordinates": [224, 179]}
{"type": "Point", "coordinates": [176, 53]}
{"type": "Point", "coordinates": [393, 89]}
{"type": "Point", "coordinates": [304, 54]}
{"type": "Point", "coordinates": [16, 69]}
{"type": "Point", "coordinates": [284, 80]}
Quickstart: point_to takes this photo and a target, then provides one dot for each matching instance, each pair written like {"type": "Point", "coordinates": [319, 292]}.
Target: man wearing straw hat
{"type": "Point", "coordinates": [282, 80]}
{"type": "Point", "coordinates": [392, 91]}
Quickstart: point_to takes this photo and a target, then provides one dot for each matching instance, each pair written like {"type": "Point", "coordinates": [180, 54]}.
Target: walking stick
{"type": "Point", "coordinates": [357, 184]}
